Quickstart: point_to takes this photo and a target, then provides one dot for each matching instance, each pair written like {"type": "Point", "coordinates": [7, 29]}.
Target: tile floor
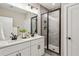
{"type": "Point", "coordinates": [49, 53]}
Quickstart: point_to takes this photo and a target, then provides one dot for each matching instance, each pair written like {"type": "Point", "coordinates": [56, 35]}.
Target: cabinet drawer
{"type": "Point", "coordinates": [36, 41]}
{"type": "Point", "coordinates": [23, 45]}
{"type": "Point", "coordinates": [25, 52]}
{"type": "Point", "coordinates": [33, 42]}
{"type": "Point", "coordinates": [8, 50]}
{"type": "Point", "coordinates": [13, 54]}
{"type": "Point", "coordinates": [14, 48]}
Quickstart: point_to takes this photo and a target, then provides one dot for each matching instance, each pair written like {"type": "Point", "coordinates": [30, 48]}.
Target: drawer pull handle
{"type": "Point", "coordinates": [19, 54]}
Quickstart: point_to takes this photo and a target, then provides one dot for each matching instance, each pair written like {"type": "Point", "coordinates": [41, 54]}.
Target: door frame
{"type": "Point", "coordinates": [48, 28]}
{"type": "Point", "coordinates": [64, 27]}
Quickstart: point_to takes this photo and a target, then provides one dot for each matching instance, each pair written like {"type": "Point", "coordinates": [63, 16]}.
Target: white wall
{"type": "Point", "coordinates": [63, 30]}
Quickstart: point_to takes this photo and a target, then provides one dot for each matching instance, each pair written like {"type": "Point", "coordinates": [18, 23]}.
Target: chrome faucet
{"type": "Point", "coordinates": [13, 37]}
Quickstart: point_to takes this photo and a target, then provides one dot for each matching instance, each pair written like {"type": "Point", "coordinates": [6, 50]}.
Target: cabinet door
{"type": "Point", "coordinates": [41, 48]}
{"type": "Point", "coordinates": [34, 50]}
{"type": "Point", "coordinates": [25, 52]}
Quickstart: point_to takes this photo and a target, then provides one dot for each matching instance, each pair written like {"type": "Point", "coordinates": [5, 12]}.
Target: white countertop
{"type": "Point", "coordinates": [6, 43]}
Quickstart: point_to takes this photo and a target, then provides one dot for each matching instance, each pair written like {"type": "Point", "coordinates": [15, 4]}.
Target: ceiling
{"type": "Point", "coordinates": [50, 6]}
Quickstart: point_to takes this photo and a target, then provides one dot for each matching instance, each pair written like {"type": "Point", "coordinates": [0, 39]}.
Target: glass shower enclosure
{"type": "Point", "coordinates": [54, 31]}
{"type": "Point", "coordinates": [51, 29]}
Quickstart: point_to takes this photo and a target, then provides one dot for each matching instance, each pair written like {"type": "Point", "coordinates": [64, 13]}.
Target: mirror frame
{"type": "Point", "coordinates": [31, 24]}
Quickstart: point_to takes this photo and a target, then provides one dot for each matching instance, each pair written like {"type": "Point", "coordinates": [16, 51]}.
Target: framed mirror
{"type": "Point", "coordinates": [33, 24]}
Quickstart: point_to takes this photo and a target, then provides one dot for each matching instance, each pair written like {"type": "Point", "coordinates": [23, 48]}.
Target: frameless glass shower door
{"type": "Point", "coordinates": [54, 31]}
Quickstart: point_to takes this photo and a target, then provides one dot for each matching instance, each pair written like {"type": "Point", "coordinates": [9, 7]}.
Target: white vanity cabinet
{"type": "Point", "coordinates": [37, 47]}
{"type": "Point", "coordinates": [13, 54]}
{"type": "Point", "coordinates": [16, 49]}
{"type": "Point", "coordinates": [41, 47]}
{"type": "Point", "coordinates": [23, 52]}
{"type": "Point", "coordinates": [28, 47]}
{"type": "Point", "coordinates": [34, 50]}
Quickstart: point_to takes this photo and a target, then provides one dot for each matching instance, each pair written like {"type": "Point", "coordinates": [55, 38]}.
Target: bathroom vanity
{"type": "Point", "coordinates": [33, 46]}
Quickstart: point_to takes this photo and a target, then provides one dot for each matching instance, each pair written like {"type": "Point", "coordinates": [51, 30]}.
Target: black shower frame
{"type": "Point", "coordinates": [48, 29]}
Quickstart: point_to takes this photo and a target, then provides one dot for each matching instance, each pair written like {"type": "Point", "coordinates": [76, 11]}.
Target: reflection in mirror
{"type": "Point", "coordinates": [6, 26]}
{"type": "Point", "coordinates": [34, 25]}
